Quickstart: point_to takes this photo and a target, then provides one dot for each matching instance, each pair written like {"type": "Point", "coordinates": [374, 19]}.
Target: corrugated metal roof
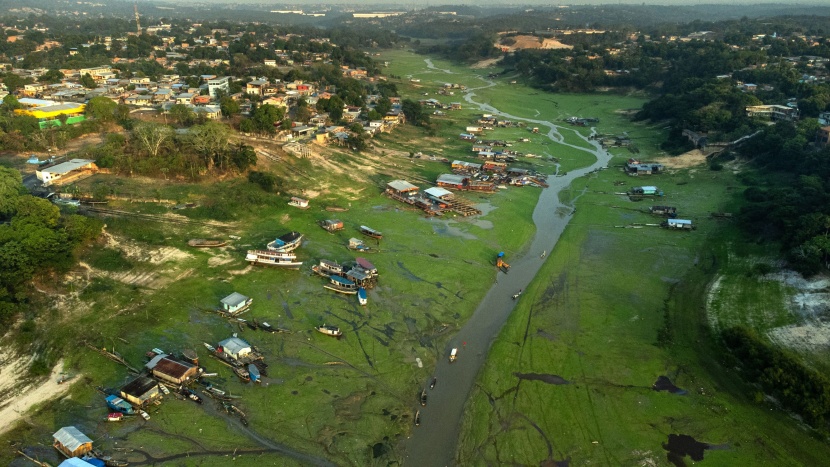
{"type": "Point", "coordinates": [451, 179]}
{"type": "Point", "coordinates": [71, 438]}
{"type": "Point", "coordinates": [140, 386]}
{"type": "Point", "coordinates": [66, 167]}
{"type": "Point", "coordinates": [233, 345]}
{"type": "Point", "coordinates": [437, 191]}
{"type": "Point", "coordinates": [234, 299]}
{"type": "Point", "coordinates": [173, 368]}
{"type": "Point", "coordinates": [401, 185]}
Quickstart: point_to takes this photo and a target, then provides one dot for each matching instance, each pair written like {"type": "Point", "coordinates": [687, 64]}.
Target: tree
{"type": "Point", "coordinates": [182, 114]}
{"type": "Point", "coordinates": [228, 106]}
{"type": "Point", "coordinates": [211, 141]}
{"type": "Point", "coordinates": [51, 77]}
{"type": "Point", "coordinates": [265, 116]}
{"type": "Point", "coordinates": [247, 126]}
{"type": "Point", "coordinates": [101, 108]}
{"type": "Point", "coordinates": [10, 103]}
{"type": "Point", "coordinates": [152, 136]}
{"type": "Point", "coordinates": [88, 82]}
{"type": "Point", "coordinates": [11, 186]}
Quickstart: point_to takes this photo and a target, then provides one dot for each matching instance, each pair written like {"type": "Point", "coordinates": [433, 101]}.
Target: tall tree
{"type": "Point", "coordinates": [152, 136]}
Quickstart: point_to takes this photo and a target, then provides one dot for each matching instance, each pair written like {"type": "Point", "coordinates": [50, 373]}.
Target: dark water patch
{"type": "Point", "coordinates": [379, 450]}
{"type": "Point", "coordinates": [309, 378]}
{"type": "Point", "coordinates": [294, 392]}
{"type": "Point", "coordinates": [663, 383]}
{"type": "Point", "coordinates": [545, 334]}
{"type": "Point", "coordinates": [410, 325]}
{"type": "Point", "coordinates": [680, 446]}
{"type": "Point", "coordinates": [287, 310]}
{"type": "Point", "coordinates": [434, 255]}
{"type": "Point", "coordinates": [545, 378]}
{"type": "Point", "coordinates": [409, 274]}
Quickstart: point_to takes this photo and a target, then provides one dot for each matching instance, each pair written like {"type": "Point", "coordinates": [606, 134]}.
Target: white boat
{"type": "Point", "coordinates": [329, 330]}
{"type": "Point", "coordinates": [453, 354]}
{"type": "Point", "coordinates": [272, 258]}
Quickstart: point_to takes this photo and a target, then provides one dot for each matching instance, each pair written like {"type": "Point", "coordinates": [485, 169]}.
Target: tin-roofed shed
{"type": "Point", "coordinates": [172, 371]}
{"type": "Point", "coordinates": [71, 442]}
{"type": "Point", "coordinates": [140, 391]}
{"type": "Point", "coordinates": [235, 347]}
{"type": "Point", "coordinates": [401, 186]}
{"type": "Point", "coordinates": [235, 302]}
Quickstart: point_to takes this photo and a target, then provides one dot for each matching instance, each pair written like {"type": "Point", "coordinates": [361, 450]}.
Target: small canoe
{"type": "Point", "coordinates": [361, 296]}
{"type": "Point", "coordinates": [205, 243]}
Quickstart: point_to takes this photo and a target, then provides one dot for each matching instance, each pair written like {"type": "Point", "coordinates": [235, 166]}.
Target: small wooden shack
{"type": "Point", "coordinates": [140, 391]}
{"type": "Point", "coordinates": [71, 442]}
{"type": "Point", "coordinates": [235, 348]}
{"type": "Point", "coordinates": [298, 202]}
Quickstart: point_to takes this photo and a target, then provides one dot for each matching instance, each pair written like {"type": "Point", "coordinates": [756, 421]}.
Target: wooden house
{"type": "Point", "coordinates": [71, 442]}
{"type": "Point", "coordinates": [465, 166]}
{"type": "Point", "coordinates": [140, 391]}
{"type": "Point", "coordinates": [439, 195]}
{"type": "Point", "coordinates": [235, 348]}
{"type": "Point", "coordinates": [332, 225]}
{"type": "Point", "coordinates": [235, 303]}
{"type": "Point", "coordinates": [494, 166]}
{"type": "Point", "coordinates": [402, 190]}
{"type": "Point", "coordinates": [172, 371]}
{"type": "Point", "coordinates": [298, 202]}
{"type": "Point", "coordinates": [452, 181]}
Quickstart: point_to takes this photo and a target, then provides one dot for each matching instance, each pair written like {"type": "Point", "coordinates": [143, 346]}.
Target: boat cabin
{"type": "Point", "coordinates": [360, 277]}
{"type": "Point", "coordinates": [71, 442]}
{"type": "Point", "coordinates": [287, 242]}
{"type": "Point", "coordinates": [367, 266]}
{"type": "Point", "coordinates": [369, 232]}
{"type": "Point", "coordinates": [679, 224]}
{"type": "Point", "coordinates": [235, 303]}
{"type": "Point", "coordinates": [668, 211]}
{"type": "Point", "coordinates": [332, 225]}
{"type": "Point", "coordinates": [646, 191]}
{"type": "Point", "coordinates": [140, 391]}
{"type": "Point", "coordinates": [453, 354]}
{"type": "Point", "coordinates": [341, 284]}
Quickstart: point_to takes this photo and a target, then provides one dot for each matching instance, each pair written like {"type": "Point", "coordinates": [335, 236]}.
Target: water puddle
{"type": "Point", "coordinates": [680, 446]}
{"type": "Point", "coordinates": [663, 383]}
{"type": "Point", "coordinates": [545, 378]}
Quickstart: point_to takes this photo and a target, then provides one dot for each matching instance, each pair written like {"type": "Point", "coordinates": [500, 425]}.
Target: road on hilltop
{"type": "Point", "coordinates": [434, 442]}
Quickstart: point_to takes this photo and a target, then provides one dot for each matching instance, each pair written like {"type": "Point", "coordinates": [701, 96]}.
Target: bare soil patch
{"type": "Point", "coordinates": [533, 42]}
{"type": "Point", "coordinates": [686, 160]}
{"type": "Point", "coordinates": [485, 63]}
{"type": "Point", "coordinates": [18, 394]}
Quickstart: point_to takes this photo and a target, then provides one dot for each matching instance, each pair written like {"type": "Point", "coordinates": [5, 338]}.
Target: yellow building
{"type": "Point", "coordinates": [49, 115]}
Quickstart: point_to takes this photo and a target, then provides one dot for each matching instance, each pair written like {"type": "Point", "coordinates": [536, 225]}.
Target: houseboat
{"type": "Point", "coordinates": [341, 285]}
{"type": "Point", "coordinates": [298, 202]}
{"type": "Point", "coordinates": [286, 243]}
{"type": "Point", "coordinates": [329, 330]}
{"type": "Point", "coordinates": [271, 258]}
{"type": "Point", "coordinates": [370, 232]}
{"type": "Point", "coordinates": [367, 266]}
{"type": "Point", "coordinates": [326, 268]}
{"type": "Point", "coordinates": [332, 225]}
{"type": "Point", "coordinates": [361, 296]}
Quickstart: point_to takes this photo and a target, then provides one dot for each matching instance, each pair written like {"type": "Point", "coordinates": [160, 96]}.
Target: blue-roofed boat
{"type": "Point", "coordinates": [116, 403]}
{"type": "Point", "coordinates": [342, 285]}
{"type": "Point", "coordinates": [286, 243]}
{"type": "Point", "coordinates": [254, 373]}
{"type": "Point", "coordinates": [361, 296]}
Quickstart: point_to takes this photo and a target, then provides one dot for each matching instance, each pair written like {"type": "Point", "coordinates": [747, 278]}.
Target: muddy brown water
{"type": "Point", "coordinates": [434, 442]}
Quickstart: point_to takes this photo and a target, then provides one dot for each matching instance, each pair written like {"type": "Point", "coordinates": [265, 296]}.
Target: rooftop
{"type": "Point", "coordinates": [66, 167]}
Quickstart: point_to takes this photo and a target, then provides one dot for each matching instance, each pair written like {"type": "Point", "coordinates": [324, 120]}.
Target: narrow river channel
{"type": "Point", "coordinates": [434, 442]}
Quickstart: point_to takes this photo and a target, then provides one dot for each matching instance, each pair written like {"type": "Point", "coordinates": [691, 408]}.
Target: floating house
{"type": "Point", "coordinates": [235, 303]}
{"type": "Point", "coordinates": [235, 348]}
{"type": "Point", "coordinates": [667, 211]}
{"type": "Point", "coordinates": [70, 442]}
{"type": "Point", "coordinates": [402, 190]}
{"type": "Point", "coordinates": [645, 191]}
{"type": "Point", "coordinates": [298, 202]}
{"type": "Point", "coordinates": [679, 224]}
{"type": "Point", "coordinates": [172, 371]}
{"type": "Point", "coordinates": [332, 225]}
{"type": "Point", "coordinates": [140, 391]}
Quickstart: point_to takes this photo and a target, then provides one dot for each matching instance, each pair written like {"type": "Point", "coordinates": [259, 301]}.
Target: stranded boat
{"type": "Point", "coordinates": [332, 225]}
{"type": "Point", "coordinates": [254, 373]}
{"type": "Point", "coordinates": [326, 268]}
{"type": "Point", "coordinates": [298, 202]}
{"type": "Point", "coordinates": [369, 232]}
{"type": "Point", "coordinates": [341, 285]}
{"type": "Point", "coordinates": [453, 354]}
{"type": "Point", "coordinates": [116, 403]}
{"type": "Point", "coordinates": [358, 245]}
{"type": "Point", "coordinates": [424, 397]}
{"type": "Point", "coordinates": [286, 243]}
{"type": "Point", "coordinates": [361, 296]}
{"type": "Point", "coordinates": [272, 258]}
{"type": "Point", "coordinates": [329, 330]}
{"type": "Point", "coordinates": [205, 243]}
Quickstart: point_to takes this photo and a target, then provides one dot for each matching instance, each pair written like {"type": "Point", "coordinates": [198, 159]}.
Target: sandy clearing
{"type": "Point", "coordinates": [25, 397]}
{"type": "Point", "coordinates": [686, 160]}
{"type": "Point", "coordinates": [485, 63]}
{"type": "Point", "coordinates": [533, 42]}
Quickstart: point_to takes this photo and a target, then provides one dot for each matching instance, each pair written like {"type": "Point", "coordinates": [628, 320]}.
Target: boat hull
{"type": "Point", "coordinates": [361, 296]}
{"type": "Point", "coordinates": [341, 290]}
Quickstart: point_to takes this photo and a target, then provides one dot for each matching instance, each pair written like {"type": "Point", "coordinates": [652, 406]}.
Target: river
{"type": "Point", "coordinates": [434, 442]}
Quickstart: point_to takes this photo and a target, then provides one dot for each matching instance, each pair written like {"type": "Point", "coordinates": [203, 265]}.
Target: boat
{"type": "Point", "coordinates": [336, 209]}
{"type": "Point", "coordinates": [358, 245]}
{"type": "Point", "coordinates": [254, 373]}
{"type": "Point", "coordinates": [190, 394]}
{"type": "Point", "coordinates": [341, 285]}
{"type": "Point", "coordinates": [120, 405]}
{"type": "Point", "coordinates": [110, 462]}
{"type": "Point", "coordinates": [144, 415]}
{"type": "Point", "coordinates": [286, 243]}
{"type": "Point", "coordinates": [369, 232]}
{"type": "Point", "coordinates": [326, 268]}
{"type": "Point", "coordinates": [361, 296]}
{"type": "Point", "coordinates": [417, 418]}
{"type": "Point", "coordinates": [298, 202]}
{"type": "Point", "coordinates": [432, 384]}
{"type": "Point", "coordinates": [453, 354]}
{"type": "Point", "coordinates": [242, 374]}
{"type": "Point", "coordinates": [115, 417]}
{"type": "Point", "coordinates": [205, 243]}
{"type": "Point", "coordinates": [329, 330]}
{"type": "Point", "coordinates": [424, 397]}
{"type": "Point", "coordinates": [210, 348]}
{"type": "Point", "coordinates": [332, 225]}
{"type": "Point", "coordinates": [272, 258]}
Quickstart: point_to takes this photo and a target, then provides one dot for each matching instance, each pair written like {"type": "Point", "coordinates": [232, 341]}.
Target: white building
{"type": "Point", "coordinates": [216, 84]}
